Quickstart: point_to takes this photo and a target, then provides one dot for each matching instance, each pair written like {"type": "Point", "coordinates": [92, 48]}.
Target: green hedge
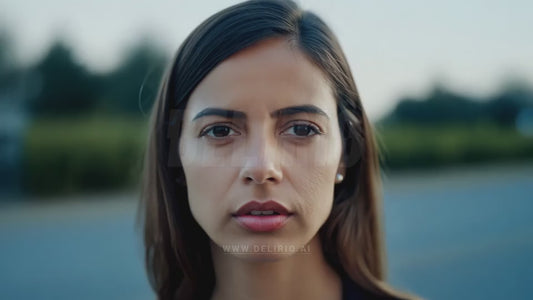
{"type": "Point", "coordinates": [63, 156]}
{"type": "Point", "coordinates": [410, 146]}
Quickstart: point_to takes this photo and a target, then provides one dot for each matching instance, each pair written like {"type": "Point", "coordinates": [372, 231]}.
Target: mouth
{"type": "Point", "coordinates": [269, 208]}
{"type": "Point", "coordinates": [262, 217]}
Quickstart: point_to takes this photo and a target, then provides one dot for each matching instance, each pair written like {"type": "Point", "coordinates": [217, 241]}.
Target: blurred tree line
{"type": "Point", "coordinates": [61, 86]}
{"type": "Point", "coordinates": [443, 107]}
{"type": "Point", "coordinates": [445, 128]}
{"type": "Point", "coordinates": [67, 129]}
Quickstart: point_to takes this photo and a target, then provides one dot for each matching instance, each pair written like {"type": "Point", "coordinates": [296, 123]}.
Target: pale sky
{"type": "Point", "coordinates": [395, 48]}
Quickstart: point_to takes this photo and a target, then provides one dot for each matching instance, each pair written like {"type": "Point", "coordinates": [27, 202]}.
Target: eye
{"type": "Point", "coordinates": [217, 131]}
{"type": "Point", "coordinates": [303, 130]}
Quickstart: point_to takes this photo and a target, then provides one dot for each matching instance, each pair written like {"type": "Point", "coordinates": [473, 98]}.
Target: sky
{"type": "Point", "coordinates": [395, 48]}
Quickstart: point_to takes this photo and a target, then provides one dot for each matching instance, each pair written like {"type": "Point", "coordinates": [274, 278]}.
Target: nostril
{"type": "Point", "coordinates": [260, 175]}
{"type": "Point", "coordinates": [251, 179]}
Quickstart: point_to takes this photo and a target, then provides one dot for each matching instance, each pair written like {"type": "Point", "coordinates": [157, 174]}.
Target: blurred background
{"type": "Point", "coordinates": [448, 86]}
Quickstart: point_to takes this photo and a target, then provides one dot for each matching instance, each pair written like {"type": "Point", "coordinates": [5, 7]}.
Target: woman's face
{"type": "Point", "coordinates": [261, 126]}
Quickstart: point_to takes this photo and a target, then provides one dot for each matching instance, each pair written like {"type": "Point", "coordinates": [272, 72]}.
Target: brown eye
{"type": "Point", "coordinates": [220, 131]}
{"type": "Point", "coordinates": [217, 131]}
{"type": "Point", "coordinates": [303, 130]}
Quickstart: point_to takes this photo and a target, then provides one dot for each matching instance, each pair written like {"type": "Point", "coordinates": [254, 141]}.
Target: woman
{"type": "Point", "coordinates": [261, 174]}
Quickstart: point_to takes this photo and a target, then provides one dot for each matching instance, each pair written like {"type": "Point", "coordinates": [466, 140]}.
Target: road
{"type": "Point", "coordinates": [451, 234]}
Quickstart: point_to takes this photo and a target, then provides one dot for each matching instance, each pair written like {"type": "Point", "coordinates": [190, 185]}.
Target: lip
{"type": "Point", "coordinates": [268, 205]}
{"type": "Point", "coordinates": [262, 223]}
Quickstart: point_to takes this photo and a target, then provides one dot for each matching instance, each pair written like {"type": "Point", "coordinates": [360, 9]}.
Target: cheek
{"type": "Point", "coordinates": [206, 187]}
{"type": "Point", "coordinates": [207, 183]}
{"type": "Point", "coordinates": [316, 190]}
{"type": "Point", "coordinates": [317, 182]}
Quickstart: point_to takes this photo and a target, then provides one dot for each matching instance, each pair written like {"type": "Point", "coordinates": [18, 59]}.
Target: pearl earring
{"type": "Point", "coordinates": [339, 178]}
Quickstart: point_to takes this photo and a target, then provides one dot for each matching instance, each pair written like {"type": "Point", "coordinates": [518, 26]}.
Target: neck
{"type": "Point", "coordinates": [295, 276]}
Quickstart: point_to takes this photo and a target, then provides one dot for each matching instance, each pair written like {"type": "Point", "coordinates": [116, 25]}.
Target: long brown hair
{"type": "Point", "coordinates": [178, 259]}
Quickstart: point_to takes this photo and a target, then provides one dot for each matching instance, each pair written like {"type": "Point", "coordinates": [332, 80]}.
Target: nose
{"type": "Point", "coordinates": [262, 161]}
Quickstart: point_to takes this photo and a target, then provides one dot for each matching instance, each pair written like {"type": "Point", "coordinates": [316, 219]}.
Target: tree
{"type": "Point", "coordinates": [7, 66]}
{"type": "Point", "coordinates": [132, 87]}
{"type": "Point", "coordinates": [66, 87]}
{"type": "Point", "coordinates": [440, 107]}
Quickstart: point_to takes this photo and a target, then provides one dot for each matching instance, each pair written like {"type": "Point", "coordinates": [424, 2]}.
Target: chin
{"type": "Point", "coordinates": [265, 249]}
{"type": "Point", "coordinates": [263, 257]}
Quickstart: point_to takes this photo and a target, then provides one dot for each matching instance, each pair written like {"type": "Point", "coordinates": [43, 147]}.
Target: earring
{"type": "Point", "coordinates": [339, 178]}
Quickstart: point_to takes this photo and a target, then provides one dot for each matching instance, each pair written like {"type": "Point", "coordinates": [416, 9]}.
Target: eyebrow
{"type": "Point", "coordinates": [287, 111]}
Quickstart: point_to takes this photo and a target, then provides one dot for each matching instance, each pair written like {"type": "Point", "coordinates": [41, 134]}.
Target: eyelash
{"type": "Point", "coordinates": [312, 128]}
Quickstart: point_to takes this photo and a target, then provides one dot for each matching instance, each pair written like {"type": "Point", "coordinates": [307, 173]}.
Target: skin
{"type": "Point", "coordinates": [292, 159]}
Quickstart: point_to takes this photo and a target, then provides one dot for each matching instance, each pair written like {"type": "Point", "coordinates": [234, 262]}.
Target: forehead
{"type": "Point", "coordinates": [267, 76]}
